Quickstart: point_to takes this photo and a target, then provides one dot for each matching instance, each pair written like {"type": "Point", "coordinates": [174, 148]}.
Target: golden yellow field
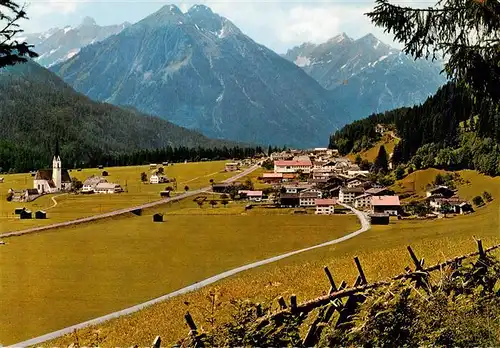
{"type": "Point", "coordinates": [382, 252]}
{"type": "Point", "coordinates": [58, 278]}
{"type": "Point", "coordinates": [71, 206]}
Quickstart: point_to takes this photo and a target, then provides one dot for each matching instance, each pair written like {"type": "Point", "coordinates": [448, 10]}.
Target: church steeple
{"type": "Point", "coordinates": [57, 168]}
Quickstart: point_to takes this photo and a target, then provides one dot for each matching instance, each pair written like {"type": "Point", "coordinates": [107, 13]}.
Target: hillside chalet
{"type": "Point", "coordinates": [386, 205]}
{"type": "Point", "coordinates": [292, 166]}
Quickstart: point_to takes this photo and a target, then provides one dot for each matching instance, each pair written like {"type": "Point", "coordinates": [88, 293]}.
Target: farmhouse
{"type": "Point", "coordinates": [380, 128]}
{"type": "Point", "coordinates": [222, 187]}
{"type": "Point", "coordinates": [107, 187]}
{"type": "Point", "coordinates": [455, 205]}
{"type": "Point", "coordinates": [362, 202]}
{"type": "Point", "coordinates": [289, 200]}
{"type": "Point", "coordinates": [356, 182]}
{"type": "Point", "coordinates": [255, 196]}
{"type": "Point", "coordinates": [325, 206]}
{"type": "Point", "coordinates": [348, 194]}
{"type": "Point", "coordinates": [379, 191]}
{"type": "Point", "coordinates": [379, 219]}
{"type": "Point", "coordinates": [231, 167]}
{"type": "Point", "coordinates": [292, 166]}
{"type": "Point", "coordinates": [281, 156]}
{"type": "Point", "coordinates": [296, 188]}
{"type": "Point", "coordinates": [272, 178]}
{"type": "Point", "coordinates": [157, 179]}
{"type": "Point", "coordinates": [52, 180]}
{"type": "Point", "coordinates": [440, 191]}
{"type": "Point", "coordinates": [308, 198]}
{"type": "Point", "coordinates": [386, 205]}
{"type": "Point", "coordinates": [91, 182]}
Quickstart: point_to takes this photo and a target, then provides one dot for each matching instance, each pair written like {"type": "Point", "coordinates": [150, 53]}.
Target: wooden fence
{"type": "Point", "coordinates": [331, 303]}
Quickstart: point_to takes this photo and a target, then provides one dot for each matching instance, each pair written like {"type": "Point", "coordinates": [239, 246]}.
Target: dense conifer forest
{"type": "Point", "coordinates": [36, 108]}
{"type": "Point", "coordinates": [451, 130]}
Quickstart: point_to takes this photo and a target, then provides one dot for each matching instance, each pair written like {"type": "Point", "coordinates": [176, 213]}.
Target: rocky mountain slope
{"type": "Point", "coordinates": [36, 105]}
{"type": "Point", "coordinates": [366, 75]}
{"type": "Point", "coordinates": [198, 70]}
{"type": "Point", "coordinates": [57, 45]}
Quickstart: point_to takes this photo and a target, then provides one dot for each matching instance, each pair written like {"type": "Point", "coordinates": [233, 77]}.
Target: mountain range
{"type": "Point", "coordinates": [198, 70]}
{"type": "Point", "coordinates": [59, 44]}
{"type": "Point", "coordinates": [36, 106]}
{"type": "Point", "coordinates": [367, 75]}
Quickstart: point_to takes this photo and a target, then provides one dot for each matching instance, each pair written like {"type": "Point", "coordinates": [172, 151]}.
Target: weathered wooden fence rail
{"type": "Point", "coordinates": [332, 302]}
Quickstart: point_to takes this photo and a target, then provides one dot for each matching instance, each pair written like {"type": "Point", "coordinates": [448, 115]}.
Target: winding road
{"type": "Point", "coordinates": [126, 210]}
{"type": "Point", "coordinates": [365, 226]}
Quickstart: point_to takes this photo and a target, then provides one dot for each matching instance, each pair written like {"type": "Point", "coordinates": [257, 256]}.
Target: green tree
{"type": "Point", "coordinates": [213, 203]}
{"type": "Point", "coordinates": [399, 172]}
{"type": "Point", "coordinates": [144, 177]}
{"type": "Point", "coordinates": [478, 201]}
{"type": "Point", "coordinates": [358, 159]}
{"type": "Point", "coordinates": [439, 179]}
{"type": "Point", "coordinates": [12, 51]}
{"type": "Point", "coordinates": [224, 202]}
{"type": "Point", "coordinates": [487, 196]}
{"type": "Point", "coordinates": [445, 208]}
{"type": "Point", "coordinates": [248, 184]}
{"type": "Point", "coordinates": [186, 188]}
{"type": "Point", "coordinates": [382, 161]}
{"type": "Point", "coordinates": [467, 32]}
{"type": "Point", "coordinates": [76, 184]}
{"type": "Point", "coordinates": [200, 203]}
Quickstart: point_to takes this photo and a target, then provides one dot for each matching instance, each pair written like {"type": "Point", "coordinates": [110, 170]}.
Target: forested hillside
{"type": "Point", "coordinates": [36, 107]}
{"type": "Point", "coordinates": [451, 130]}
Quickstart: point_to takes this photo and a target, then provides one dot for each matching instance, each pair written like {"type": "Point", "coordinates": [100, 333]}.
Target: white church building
{"type": "Point", "coordinates": [52, 180]}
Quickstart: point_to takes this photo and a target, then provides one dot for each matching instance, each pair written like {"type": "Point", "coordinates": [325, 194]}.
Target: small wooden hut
{"type": "Point", "coordinates": [137, 212]}
{"type": "Point", "coordinates": [25, 215]}
{"type": "Point", "coordinates": [379, 219]}
{"type": "Point", "coordinates": [165, 194]}
{"type": "Point", "coordinates": [158, 217]}
{"type": "Point", "coordinates": [18, 211]}
{"type": "Point", "coordinates": [40, 214]}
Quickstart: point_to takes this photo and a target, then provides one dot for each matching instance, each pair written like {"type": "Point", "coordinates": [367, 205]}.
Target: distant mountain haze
{"type": "Point", "coordinates": [366, 75]}
{"type": "Point", "coordinates": [57, 45]}
{"type": "Point", "coordinates": [198, 70]}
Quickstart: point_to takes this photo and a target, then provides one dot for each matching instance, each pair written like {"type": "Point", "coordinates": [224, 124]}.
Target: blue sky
{"type": "Point", "coordinates": [277, 24]}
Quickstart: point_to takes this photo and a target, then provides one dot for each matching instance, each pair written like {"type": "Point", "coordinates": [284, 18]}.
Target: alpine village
{"type": "Point", "coordinates": [167, 181]}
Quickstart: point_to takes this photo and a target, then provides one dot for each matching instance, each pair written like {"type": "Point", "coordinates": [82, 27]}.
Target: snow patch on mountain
{"type": "Point", "coordinates": [302, 61]}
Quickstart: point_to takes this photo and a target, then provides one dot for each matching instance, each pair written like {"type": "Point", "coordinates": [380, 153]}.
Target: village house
{"type": "Point", "coordinates": [255, 196]}
{"type": "Point", "coordinates": [272, 178]}
{"type": "Point", "coordinates": [386, 205]}
{"type": "Point", "coordinates": [380, 129]}
{"type": "Point", "coordinates": [363, 202]}
{"type": "Point", "coordinates": [108, 188]}
{"type": "Point", "coordinates": [348, 194]}
{"type": "Point", "coordinates": [157, 179]}
{"type": "Point", "coordinates": [308, 198]}
{"type": "Point", "coordinates": [53, 180]}
{"type": "Point", "coordinates": [91, 182]}
{"type": "Point", "coordinates": [455, 204]}
{"type": "Point", "coordinates": [290, 200]}
{"type": "Point", "coordinates": [354, 173]}
{"type": "Point", "coordinates": [222, 187]}
{"type": "Point", "coordinates": [296, 188]}
{"type": "Point", "coordinates": [288, 177]}
{"type": "Point", "coordinates": [292, 166]}
{"type": "Point", "coordinates": [325, 206]}
{"type": "Point", "coordinates": [379, 191]}
{"type": "Point", "coordinates": [281, 156]}
{"type": "Point", "coordinates": [318, 164]}
{"type": "Point", "coordinates": [356, 182]}
{"type": "Point", "coordinates": [440, 191]}
{"type": "Point", "coordinates": [232, 167]}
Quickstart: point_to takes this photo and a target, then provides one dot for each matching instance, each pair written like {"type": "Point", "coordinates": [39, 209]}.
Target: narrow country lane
{"type": "Point", "coordinates": [365, 226]}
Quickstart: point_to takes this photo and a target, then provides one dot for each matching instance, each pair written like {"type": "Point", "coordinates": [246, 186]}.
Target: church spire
{"type": "Point", "coordinates": [56, 153]}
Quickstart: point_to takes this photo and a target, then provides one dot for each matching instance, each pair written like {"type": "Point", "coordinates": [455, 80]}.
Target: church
{"type": "Point", "coordinates": [53, 180]}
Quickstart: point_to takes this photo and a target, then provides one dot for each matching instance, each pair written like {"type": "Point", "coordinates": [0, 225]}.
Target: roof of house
{"type": "Point", "coordinates": [250, 193]}
{"type": "Point", "coordinates": [231, 164]}
{"type": "Point", "coordinates": [46, 174]}
{"type": "Point", "coordinates": [452, 200]}
{"type": "Point", "coordinates": [330, 201]}
{"type": "Point", "coordinates": [106, 186]}
{"type": "Point", "coordinates": [375, 190]}
{"type": "Point", "coordinates": [289, 195]}
{"type": "Point", "coordinates": [272, 175]}
{"type": "Point", "coordinates": [361, 179]}
{"type": "Point", "coordinates": [308, 195]}
{"type": "Point", "coordinates": [93, 180]}
{"type": "Point", "coordinates": [385, 200]}
{"type": "Point", "coordinates": [298, 186]}
{"type": "Point", "coordinates": [223, 184]}
{"type": "Point", "coordinates": [352, 190]}
{"type": "Point", "coordinates": [365, 195]}
{"type": "Point", "coordinates": [288, 176]}
{"type": "Point", "coordinates": [31, 192]}
{"type": "Point", "coordinates": [293, 163]}
{"type": "Point", "coordinates": [439, 188]}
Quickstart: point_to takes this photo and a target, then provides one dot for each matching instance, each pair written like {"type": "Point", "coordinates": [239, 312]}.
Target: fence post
{"type": "Point", "coordinates": [482, 254]}
{"type": "Point", "coordinates": [282, 302]}
{"type": "Point", "coordinates": [416, 261]}
{"type": "Point", "coordinates": [157, 342]}
{"type": "Point", "coordinates": [191, 324]}
{"type": "Point", "coordinates": [360, 270]}
{"type": "Point", "coordinates": [293, 303]}
{"type": "Point", "coordinates": [333, 288]}
{"type": "Point", "coordinates": [259, 310]}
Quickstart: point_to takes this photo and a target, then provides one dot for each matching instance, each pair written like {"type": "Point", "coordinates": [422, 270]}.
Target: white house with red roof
{"type": "Point", "coordinates": [272, 178]}
{"type": "Point", "coordinates": [386, 205]}
{"type": "Point", "coordinates": [255, 196]}
{"type": "Point", "coordinates": [325, 206]}
{"type": "Point", "coordinates": [293, 166]}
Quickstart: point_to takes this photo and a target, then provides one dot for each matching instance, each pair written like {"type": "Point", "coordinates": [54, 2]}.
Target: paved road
{"type": "Point", "coordinates": [365, 226]}
{"type": "Point", "coordinates": [126, 210]}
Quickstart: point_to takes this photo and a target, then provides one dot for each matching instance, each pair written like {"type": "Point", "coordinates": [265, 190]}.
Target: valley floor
{"type": "Point", "coordinates": [382, 252]}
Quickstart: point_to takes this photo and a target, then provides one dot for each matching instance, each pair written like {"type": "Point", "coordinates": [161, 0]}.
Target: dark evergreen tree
{"type": "Point", "coordinates": [382, 161]}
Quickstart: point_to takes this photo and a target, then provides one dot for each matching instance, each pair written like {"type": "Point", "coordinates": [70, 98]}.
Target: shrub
{"type": "Point", "coordinates": [478, 201]}
{"type": "Point", "coordinates": [487, 196]}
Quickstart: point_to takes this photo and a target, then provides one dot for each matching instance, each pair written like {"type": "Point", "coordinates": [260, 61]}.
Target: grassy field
{"type": "Point", "coordinates": [382, 252]}
{"type": "Point", "coordinates": [58, 278]}
{"type": "Point", "coordinates": [71, 206]}
{"type": "Point", "coordinates": [372, 153]}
